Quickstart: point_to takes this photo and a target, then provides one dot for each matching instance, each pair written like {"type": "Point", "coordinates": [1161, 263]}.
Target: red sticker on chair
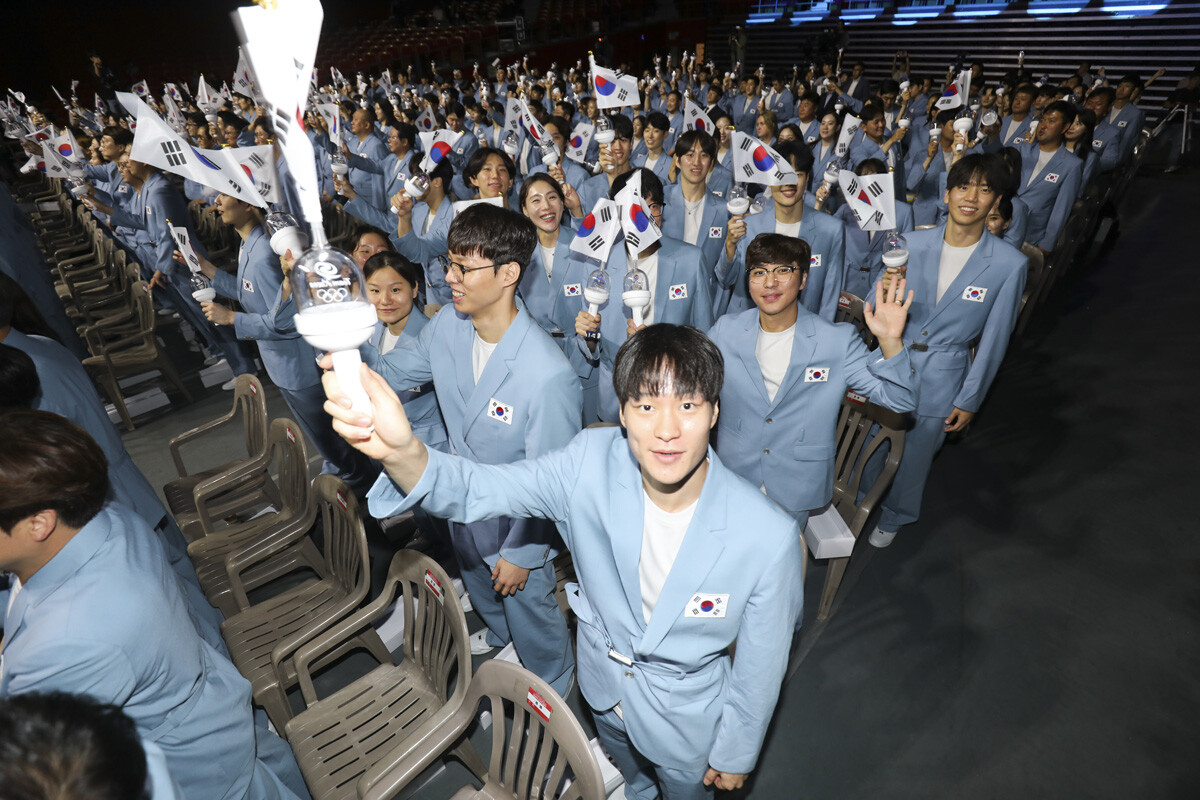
{"type": "Point", "coordinates": [291, 436]}
{"type": "Point", "coordinates": [538, 704]}
{"type": "Point", "coordinates": [253, 389]}
{"type": "Point", "coordinates": [855, 397]}
{"type": "Point", "coordinates": [341, 499]}
{"type": "Point", "coordinates": [435, 586]}
{"type": "Point", "coordinates": [844, 301]}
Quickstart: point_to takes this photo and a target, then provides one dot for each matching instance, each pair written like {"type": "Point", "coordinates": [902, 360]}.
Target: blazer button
{"type": "Point", "coordinates": [766, 452]}
{"type": "Point", "coordinates": [769, 420]}
{"type": "Point", "coordinates": [924, 333]}
{"type": "Point", "coordinates": [628, 674]}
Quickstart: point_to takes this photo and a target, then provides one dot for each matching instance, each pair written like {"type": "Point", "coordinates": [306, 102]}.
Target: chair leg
{"type": "Point", "coordinates": [465, 753]}
{"type": "Point", "coordinates": [166, 368]}
{"type": "Point", "coordinates": [113, 390]}
{"type": "Point", "coordinates": [275, 702]}
{"type": "Point", "coordinates": [833, 579]}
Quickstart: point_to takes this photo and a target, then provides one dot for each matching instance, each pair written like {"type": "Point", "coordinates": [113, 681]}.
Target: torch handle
{"type": "Point", "coordinates": [346, 365]}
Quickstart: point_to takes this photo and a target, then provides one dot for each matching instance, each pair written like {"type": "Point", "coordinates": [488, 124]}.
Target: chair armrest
{"type": "Point", "coordinates": [259, 550]}
{"type": "Point", "coordinates": [188, 436]}
{"type": "Point", "coordinates": [286, 647]}
{"type": "Point", "coordinates": [206, 489]}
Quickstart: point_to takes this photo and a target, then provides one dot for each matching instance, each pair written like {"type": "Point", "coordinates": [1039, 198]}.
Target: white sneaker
{"type": "Point", "coordinates": [466, 602]}
{"type": "Point", "coordinates": [213, 361]}
{"type": "Point", "coordinates": [881, 538]}
{"type": "Point", "coordinates": [230, 384]}
{"type": "Point", "coordinates": [479, 644]}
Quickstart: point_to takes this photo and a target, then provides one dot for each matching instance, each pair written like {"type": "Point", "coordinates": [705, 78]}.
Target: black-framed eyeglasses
{"type": "Point", "coordinates": [760, 274]}
{"type": "Point", "coordinates": [459, 271]}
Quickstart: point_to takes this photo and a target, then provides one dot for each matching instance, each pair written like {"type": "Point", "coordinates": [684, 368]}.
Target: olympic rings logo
{"type": "Point", "coordinates": [332, 295]}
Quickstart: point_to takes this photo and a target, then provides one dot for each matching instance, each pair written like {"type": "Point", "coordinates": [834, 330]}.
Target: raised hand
{"type": "Point", "coordinates": [887, 318]}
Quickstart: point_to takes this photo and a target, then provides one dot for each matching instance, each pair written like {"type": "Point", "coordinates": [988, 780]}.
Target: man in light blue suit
{"type": "Point", "coordinates": [420, 233]}
{"type": "Point", "coordinates": [792, 216]}
{"type": "Point", "coordinates": [366, 143]}
{"type": "Point", "coordinates": [402, 160]}
{"type": "Point", "coordinates": [1125, 116]}
{"type": "Point", "coordinates": [96, 610]}
{"type": "Point", "coordinates": [864, 251]}
{"type": "Point", "coordinates": [506, 392]}
{"type": "Point", "coordinates": [1106, 137]}
{"type": "Point", "coordinates": [744, 107]}
{"type": "Point", "coordinates": [788, 374]}
{"type": "Point", "coordinates": [655, 157]}
{"type": "Point", "coordinates": [1015, 125]}
{"type": "Point", "coordinates": [695, 210]}
{"type": "Point", "coordinates": [676, 555]}
{"type": "Point", "coordinates": [269, 319]}
{"type": "Point", "coordinates": [1050, 176]}
{"type": "Point", "coordinates": [681, 292]}
{"type": "Point", "coordinates": [967, 288]}
{"type": "Point", "coordinates": [614, 162]}
{"type": "Point", "coordinates": [925, 169]}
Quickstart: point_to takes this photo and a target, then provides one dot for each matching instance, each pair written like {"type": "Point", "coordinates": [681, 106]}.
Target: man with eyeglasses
{"type": "Point", "coordinates": [788, 371]}
{"type": "Point", "coordinates": [967, 288]}
{"type": "Point", "coordinates": [614, 162]}
{"type": "Point", "coordinates": [506, 392]}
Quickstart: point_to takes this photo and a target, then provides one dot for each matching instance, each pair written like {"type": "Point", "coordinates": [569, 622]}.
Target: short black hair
{"type": "Point", "coordinates": [537, 177]}
{"type": "Point", "coordinates": [55, 745]}
{"type": "Point", "coordinates": [1107, 92]}
{"type": "Point", "coordinates": [652, 188]}
{"type": "Point", "coordinates": [479, 158]}
{"type": "Point", "coordinates": [393, 260]}
{"type": "Point", "coordinates": [406, 130]}
{"type": "Point", "coordinates": [622, 125]}
{"type": "Point", "coordinates": [49, 462]}
{"type": "Point", "coordinates": [19, 382]}
{"type": "Point", "coordinates": [875, 165]}
{"type": "Point", "coordinates": [869, 112]}
{"type": "Point", "coordinates": [689, 139]}
{"type": "Point", "coordinates": [658, 120]}
{"type": "Point", "coordinates": [797, 154]}
{"type": "Point", "coordinates": [1004, 207]}
{"type": "Point", "coordinates": [991, 167]}
{"type": "Point", "coordinates": [497, 234]}
{"type": "Point", "coordinates": [778, 248]}
{"type": "Point", "coordinates": [1062, 107]}
{"type": "Point", "coordinates": [665, 357]}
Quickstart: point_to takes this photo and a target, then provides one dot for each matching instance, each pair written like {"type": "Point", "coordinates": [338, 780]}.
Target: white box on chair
{"type": "Point", "coordinates": [827, 535]}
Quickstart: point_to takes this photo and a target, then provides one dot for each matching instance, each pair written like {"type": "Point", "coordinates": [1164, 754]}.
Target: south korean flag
{"type": "Point", "coordinates": [184, 242]}
{"type": "Point", "coordinates": [512, 115]}
{"type": "Point", "coordinates": [872, 200]}
{"type": "Point", "coordinates": [581, 138]}
{"type": "Point", "coordinates": [755, 162]}
{"type": "Point", "coordinates": [694, 118]}
{"type": "Point", "coordinates": [425, 122]}
{"type": "Point", "coordinates": [259, 163]}
{"type": "Point", "coordinates": [851, 125]}
{"type": "Point", "coordinates": [638, 225]}
{"type": "Point", "coordinates": [613, 89]}
{"type": "Point", "coordinates": [598, 231]}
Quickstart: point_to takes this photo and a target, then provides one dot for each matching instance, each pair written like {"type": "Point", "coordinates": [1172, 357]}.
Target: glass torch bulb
{"type": "Point", "coordinates": [635, 281]}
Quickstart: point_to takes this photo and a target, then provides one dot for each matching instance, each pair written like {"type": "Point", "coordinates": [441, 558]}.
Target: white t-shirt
{"type": "Point", "coordinates": [952, 262]}
{"type": "Point", "coordinates": [648, 265]}
{"type": "Point", "coordinates": [662, 536]}
{"type": "Point", "coordinates": [387, 342]}
{"type": "Point", "coordinates": [774, 352]}
{"type": "Point", "coordinates": [547, 260]}
{"type": "Point", "coordinates": [651, 161]}
{"type": "Point", "coordinates": [428, 222]}
{"type": "Point", "coordinates": [481, 351]}
{"type": "Point", "coordinates": [1042, 160]}
{"type": "Point", "coordinates": [692, 213]}
{"type": "Point", "coordinates": [788, 228]}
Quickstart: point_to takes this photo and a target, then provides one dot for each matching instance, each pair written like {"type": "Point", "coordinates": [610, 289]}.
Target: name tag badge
{"type": "Point", "coordinates": [715, 232]}
{"type": "Point", "coordinates": [816, 375]}
{"type": "Point", "coordinates": [501, 412]}
{"type": "Point", "coordinates": [572, 289]}
{"type": "Point", "coordinates": [247, 286]}
{"type": "Point", "coordinates": [815, 261]}
{"type": "Point", "coordinates": [1052, 177]}
{"type": "Point", "coordinates": [1098, 143]}
{"type": "Point", "coordinates": [1122, 123]}
{"type": "Point", "coordinates": [974, 293]}
{"type": "Point", "coordinates": [678, 291]}
{"type": "Point", "coordinates": [707, 606]}
{"type": "Point", "coordinates": [459, 151]}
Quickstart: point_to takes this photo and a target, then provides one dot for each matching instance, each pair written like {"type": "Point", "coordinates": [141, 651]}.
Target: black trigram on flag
{"type": "Point", "coordinates": [877, 218]}
{"type": "Point", "coordinates": [622, 94]}
{"type": "Point", "coordinates": [174, 153]}
{"type": "Point", "coordinates": [746, 144]}
{"type": "Point", "coordinates": [857, 215]}
{"type": "Point", "coordinates": [256, 160]}
{"type": "Point", "coordinates": [595, 243]}
{"type": "Point", "coordinates": [264, 188]}
{"type": "Point", "coordinates": [606, 214]}
{"type": "Point", "coordinates": [632, 238]}
{"type": "Point", "coordinates": [852, 187]}
{"type": "Point", "coordinates": [875, 189]}
{"type": "Point", "coordinates": [749, 170]}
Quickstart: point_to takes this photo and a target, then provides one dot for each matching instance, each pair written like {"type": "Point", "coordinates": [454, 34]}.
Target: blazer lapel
{"type": "Point", "coordinates": [803, 345]}
{"type": "Point", "coordinates": [700, 552]}
{"type": "Point", "coordinates": [976, 265]}
{"type": "Point", "coordinates": [496, 370]}
{"type": "Point", "coordinates": [626, 509]}
{"type": "Point", "coordinates": [744, 346]}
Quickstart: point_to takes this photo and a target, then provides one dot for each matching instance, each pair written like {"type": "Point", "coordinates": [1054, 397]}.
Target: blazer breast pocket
{"type": "Point", "coordinates": [803, 451]}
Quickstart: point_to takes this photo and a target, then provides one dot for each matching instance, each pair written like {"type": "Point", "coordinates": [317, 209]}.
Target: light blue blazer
{"type": "Point", "coordinates": [714, 219]}
{"type": "Point", "coordinates": [527, 380]}
{"type": "Point", "coordinates": [864, 254]}
{"type": "Point", "coordinates": [1051, 196]}
{"type": "Point", "coordinates": [420, 402]}
{"type": "Point", "coordinates": [787, 445]}
{"type": "Point", "coordinates": [105, 618]}
{"type": "Point", "coordinates": [1106, 144]}
{"type": "Point", "coordinates": [826, 236]}
{"type": "Point", "coordinates": [982, 303]}
{"type": "Point", "coordinates": [928, 184]}
{"type": "Point", "coordinates": [424, 248]}
{"type": "Point", "coordinates": [368, 182]}
{"type": "Point", "coordinates": [685, 703]}
{"type": "Point", "coordinates": [555, 303]}
{"type": "Point", "coordinates": [266, 317]}
{"type": "Point", "coordinates": [159, 201]}
{"type": "Point", "coordinates": [661, 167]}
{"type": "Point", "coordinates": [393, 171]}
{"type": "Point", "coordinates": [682, 296]}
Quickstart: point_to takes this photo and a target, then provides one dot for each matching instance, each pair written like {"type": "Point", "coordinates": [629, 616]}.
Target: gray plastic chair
{"type": "Point", "coordinates": [537, 744]}
{"type": "Point", "coordinates": [232, 561]}
{"type": "Point", "coordinates": [855, 445]}
{"type": "Point", "coordinates": [263, 638]}
{"type": "Point", "coordinates": [339, 738]}
{"type": "Point", "coordinates": [850, 309]}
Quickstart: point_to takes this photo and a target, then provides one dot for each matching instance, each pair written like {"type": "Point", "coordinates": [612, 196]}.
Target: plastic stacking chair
{"type": "Point", "coordinates": [245, 555]}
{"type": "Point", "coordinates": [263, 638]}
{"type": "Point", "coordinates": [131, 355]}
{"type": "Point", "coordinates": [537, 744]}
{"type": "Point", "coordinates": [850, 309]}
{"type": "Point", "coordinates": [250, 408]}
{"type": "Point", "coordinates": [856, 443]}
{"type": "Point", "coordinates": [338, 738]}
